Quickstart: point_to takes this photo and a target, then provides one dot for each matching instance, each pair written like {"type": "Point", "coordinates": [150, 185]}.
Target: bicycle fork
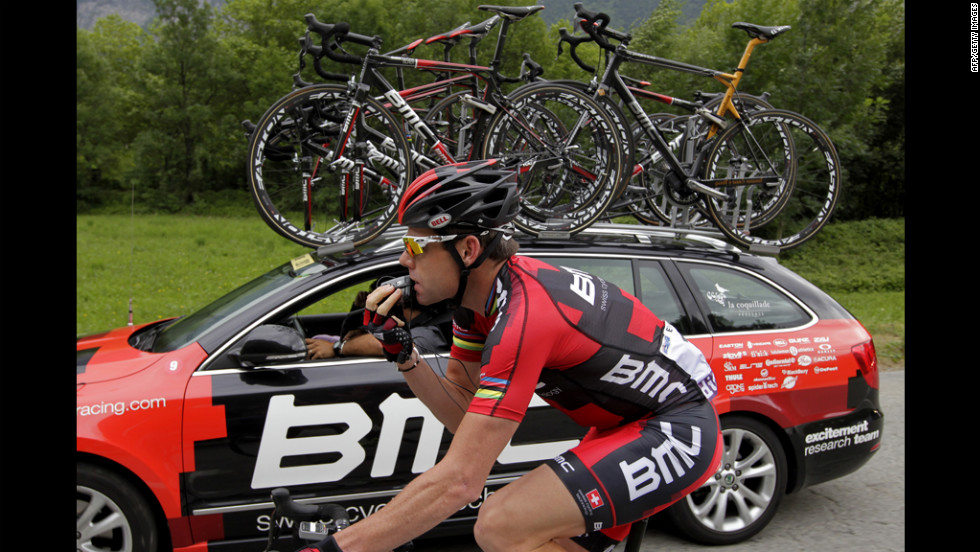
{"type": "Point", "coordinates": [355, 158]}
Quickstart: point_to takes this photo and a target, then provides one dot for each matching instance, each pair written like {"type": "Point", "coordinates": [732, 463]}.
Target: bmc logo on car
{"type": "Point", "coordinates": [284, 415]}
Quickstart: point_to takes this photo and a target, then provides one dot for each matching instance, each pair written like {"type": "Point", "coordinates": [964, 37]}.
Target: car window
{"type": "Point", "coordinates": [341, 301]}
{"type": "Point", "coordinates": [226, 309]}
{"type": "Point", "coordinates": [654, 290]}
{"type": "Point", "coordinates": [332, 314]}
{"type": "Point", "coordinates": [658, 295]}
{"type": "Point", "coordinates": [738, 301]}
{"type": "Point", "coordinates": [617, 271]}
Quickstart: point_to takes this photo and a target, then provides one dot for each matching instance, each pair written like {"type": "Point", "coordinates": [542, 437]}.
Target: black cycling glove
{"type": "Point", "coordinates": [395, 340]}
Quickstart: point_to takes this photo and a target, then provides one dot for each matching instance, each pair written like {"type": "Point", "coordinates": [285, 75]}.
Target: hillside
{"type": "Point", "coordinates": [622, 13]}
{"type": "Point", "coordinates": [87, 12]}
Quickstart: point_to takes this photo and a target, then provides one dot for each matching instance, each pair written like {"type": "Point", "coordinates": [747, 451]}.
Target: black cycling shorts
{"type": "Point", "coordinates": [628, 473]}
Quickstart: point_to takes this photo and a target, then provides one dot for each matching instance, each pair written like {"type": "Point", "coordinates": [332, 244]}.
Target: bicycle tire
{"type": "Point", "coordinates": [290, 176]}
{"type": "Point", "coordinates": [796, 208]}
{"type": "Point", "coordinates": [568, 177]}
{"type": "Point", "coordinates": [686, 134]}
{"type": "Point", "coordinates": [656, 205]}
{"type": "Point", "coordinates": [622, 125]}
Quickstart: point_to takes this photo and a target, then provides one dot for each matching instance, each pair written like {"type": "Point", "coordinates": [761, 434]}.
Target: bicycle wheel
{"type": "Point", "coordinates": [311, 199]}
{"type": "Point", "coordinates": [452, 120]}
{"type": "Point", "coordinates": [567, 150]}
{"type": "Point", "coordinates": [778, 168]}
{"type": "Point", "coordinates": [654, 203]}
{"type": "Point", "coordinates": [620, 123]}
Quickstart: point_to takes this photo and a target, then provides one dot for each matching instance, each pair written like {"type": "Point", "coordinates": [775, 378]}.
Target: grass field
{"type": "Point", "coordinates": [170, 265]}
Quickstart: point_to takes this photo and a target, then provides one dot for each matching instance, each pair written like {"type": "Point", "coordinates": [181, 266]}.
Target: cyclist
{"type": "Point", "coordinates": [591, 350]}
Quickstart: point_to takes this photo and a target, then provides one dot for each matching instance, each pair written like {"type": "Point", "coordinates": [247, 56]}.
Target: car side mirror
{"type": "Point", "coordinates": [271, 344]}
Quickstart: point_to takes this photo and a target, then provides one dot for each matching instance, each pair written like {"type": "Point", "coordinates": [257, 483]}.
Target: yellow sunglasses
{"type": "Point", "coordinates": [414, 244]}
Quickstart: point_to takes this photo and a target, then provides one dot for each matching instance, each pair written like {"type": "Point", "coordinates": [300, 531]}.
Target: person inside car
{"type": "Point", "coordinates": [591, 350]}
{"type": "Point", "coordinates": [423, 322]}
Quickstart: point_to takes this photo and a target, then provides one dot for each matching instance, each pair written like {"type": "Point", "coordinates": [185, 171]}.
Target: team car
{"type": "Point", "coordinates": [186, 425]}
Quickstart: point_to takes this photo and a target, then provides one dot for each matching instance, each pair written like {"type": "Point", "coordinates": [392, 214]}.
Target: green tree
{"type": "Point", "coordinates": [262, 40]}
{"type": "Point", "coordinates": [656, 32]}
{"type": "Point", "coordinates": [106, 108]}
{"type": "Point", "coordinates": [192, 93]}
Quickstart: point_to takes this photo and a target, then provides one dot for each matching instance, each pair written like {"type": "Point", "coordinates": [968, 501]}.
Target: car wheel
{"type": "Point", "coordinates": [741, 498]}
{"type": "Point", "coordinates": [112, 515]}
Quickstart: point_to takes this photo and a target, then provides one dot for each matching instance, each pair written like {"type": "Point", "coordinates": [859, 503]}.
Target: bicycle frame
{"type": "Point", "coordinates": [371, 78]}
{"type": "Point", "coordinates": [611, 79]}
{"type": "Point", "coordinates": [492, 97]}
{"type": "Point", "coordinates": [730, 81]}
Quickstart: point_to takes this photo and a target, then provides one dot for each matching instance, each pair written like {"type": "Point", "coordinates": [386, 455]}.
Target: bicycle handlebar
{"type": "Point", "coordinates": [340, 33]}
{"type": "Point", "coordinates": [574, 41]}
{"type": "Point", "coordinates": [596, 26]}
{"type": "Point", "coordinates": [307, 47]}
{"type": "Point", "coordinates": [296, 511]}
{"type": "Point", "coordinates": [530, 69]}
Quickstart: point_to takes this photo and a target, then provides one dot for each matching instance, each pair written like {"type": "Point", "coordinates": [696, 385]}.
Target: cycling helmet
{"type": "Point", "coordinates": [475, 197]}
{"type": "Point", "coordinates": [477, 194]}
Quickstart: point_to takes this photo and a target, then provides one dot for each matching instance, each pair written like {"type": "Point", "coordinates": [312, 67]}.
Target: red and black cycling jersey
{"type": "Point", "coordinates": [582, 344]}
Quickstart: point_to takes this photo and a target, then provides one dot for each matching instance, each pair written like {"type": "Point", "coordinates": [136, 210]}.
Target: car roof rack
{"type": "Point", "coordinates": [646, 234]}
{"type": "Point", "coordinates": [642, 234]}
{"type": "Point", "coordinates": [345, 249]}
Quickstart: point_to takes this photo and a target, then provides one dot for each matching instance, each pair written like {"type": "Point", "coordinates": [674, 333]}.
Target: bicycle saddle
{"type": "Point", "coordinates": [760, 31]}
{"type": "Point", "coordinates": [513, 13]}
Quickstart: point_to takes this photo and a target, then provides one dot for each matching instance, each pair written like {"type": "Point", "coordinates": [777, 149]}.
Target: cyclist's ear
{"type": "Point", "coordinates": [469, 249]}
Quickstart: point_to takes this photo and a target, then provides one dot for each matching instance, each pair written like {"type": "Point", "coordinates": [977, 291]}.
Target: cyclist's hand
{"type": "Point", "coordinates": [326, 545]}
{"type": "Point", "coordinates": [389, 330]}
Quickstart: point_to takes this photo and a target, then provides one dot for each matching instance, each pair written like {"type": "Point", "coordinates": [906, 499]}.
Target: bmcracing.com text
{"type": "Point", "coordinates": [120, 407]}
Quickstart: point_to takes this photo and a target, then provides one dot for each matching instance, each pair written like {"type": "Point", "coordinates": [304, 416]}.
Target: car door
{"type": "Point", "coordinates": [344, 430]}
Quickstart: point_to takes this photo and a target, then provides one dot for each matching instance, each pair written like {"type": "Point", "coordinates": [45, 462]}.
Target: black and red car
{"type": "Point", "coordinates": [184, 426]}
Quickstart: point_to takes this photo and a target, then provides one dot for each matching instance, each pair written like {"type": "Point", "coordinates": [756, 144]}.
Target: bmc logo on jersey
{"type": "Point", "coordinates": [582, 285]}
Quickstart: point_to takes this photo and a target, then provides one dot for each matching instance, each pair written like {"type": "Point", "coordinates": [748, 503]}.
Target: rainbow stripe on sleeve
{"type": "Point", "coordinates": [468, 341]}
{"type": "Point", "coordinates": [492, 388]}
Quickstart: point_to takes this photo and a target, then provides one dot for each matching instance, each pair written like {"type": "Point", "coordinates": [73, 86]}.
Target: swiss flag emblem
{"type": "Point", "coordinates": [594, 499]}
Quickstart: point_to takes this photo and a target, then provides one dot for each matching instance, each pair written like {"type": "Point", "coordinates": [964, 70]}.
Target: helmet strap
{"type": "Point", "coordinates": [464, 271]}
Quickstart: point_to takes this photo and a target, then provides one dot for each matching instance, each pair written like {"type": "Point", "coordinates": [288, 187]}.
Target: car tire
{"type": "Point", "coordinates": [112, 516]}
{"type": "Point", "coordinates": [742, 497]}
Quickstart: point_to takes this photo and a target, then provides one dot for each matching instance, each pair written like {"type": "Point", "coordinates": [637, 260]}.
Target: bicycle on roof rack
{"type": "Point", "coordinates": [309, 523]}
{"type": "Point", "coordinates": [769, 179]}
{"type": "Point", "coordinates": [558, 139]}
{"type": "Point", "coordinates": [642, 194]}
{"type": "Point", "coordinates": [286, 184]}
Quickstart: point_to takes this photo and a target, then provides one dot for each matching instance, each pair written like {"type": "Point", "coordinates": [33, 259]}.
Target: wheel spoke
{"type": "Point", "coordinates": [100, 524]}
{"type": "Point", "coordinates": [89, 510]}
{"type": "Point", "coordinates": [305, 193]}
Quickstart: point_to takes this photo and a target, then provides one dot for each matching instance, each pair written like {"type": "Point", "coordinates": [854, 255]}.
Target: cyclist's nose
{"type": "Point", "coordinates": [406, 260]}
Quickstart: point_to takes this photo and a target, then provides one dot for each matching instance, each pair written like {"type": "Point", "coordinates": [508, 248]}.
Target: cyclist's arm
{"type": "Point", "coordinates": [449, 396]}
{"type": "Point", "coordinates": [436, 494]}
